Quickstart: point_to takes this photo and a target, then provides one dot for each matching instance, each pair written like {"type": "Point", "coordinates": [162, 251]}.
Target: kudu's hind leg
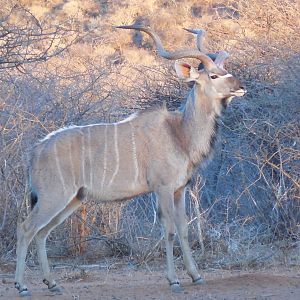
{"type": "Point", "coordinates": [41, 238]}
{"type": "Point", "coordinates": [25, 234]}
{"type": "Point", "coordinates": [182, 230]}
{"type": "Point", "coordinates": [39, 217]}
{"type": "Point", "coordinates": [165, 200]}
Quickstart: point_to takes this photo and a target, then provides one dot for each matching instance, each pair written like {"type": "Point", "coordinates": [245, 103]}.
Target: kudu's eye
{"type": "Point", "coordinates": [214, 76]}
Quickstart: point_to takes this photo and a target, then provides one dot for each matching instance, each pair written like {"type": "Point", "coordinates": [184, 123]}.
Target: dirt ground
{"type": "Point", "coordinates": [127, 282]}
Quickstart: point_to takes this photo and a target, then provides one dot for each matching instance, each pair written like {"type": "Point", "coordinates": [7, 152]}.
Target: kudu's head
{"type": "Point", "coordinates": [211, 77]}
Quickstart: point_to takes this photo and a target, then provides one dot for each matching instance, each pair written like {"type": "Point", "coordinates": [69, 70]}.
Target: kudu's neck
{"type": "Point", "coordinates": [200, 116]}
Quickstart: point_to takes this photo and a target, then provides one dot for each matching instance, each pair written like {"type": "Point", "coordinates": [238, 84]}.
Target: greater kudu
{"type": "Point", "coordinates": [153, 151]}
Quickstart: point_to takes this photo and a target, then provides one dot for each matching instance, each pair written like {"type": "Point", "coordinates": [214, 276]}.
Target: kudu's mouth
{"type": "Point", "coordinates": [239, 93]}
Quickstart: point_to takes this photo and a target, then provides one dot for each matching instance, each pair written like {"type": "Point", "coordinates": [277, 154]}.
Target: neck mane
{"type": "Point", "coordinates": [200, 123]}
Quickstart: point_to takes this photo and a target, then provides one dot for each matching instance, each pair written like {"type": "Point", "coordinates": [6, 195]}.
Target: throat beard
{"type": "Point", "coordinates": [225, 102]}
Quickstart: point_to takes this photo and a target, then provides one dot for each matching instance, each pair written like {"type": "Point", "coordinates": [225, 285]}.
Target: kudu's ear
{"type": "Point", "coordinates": [185, 71]}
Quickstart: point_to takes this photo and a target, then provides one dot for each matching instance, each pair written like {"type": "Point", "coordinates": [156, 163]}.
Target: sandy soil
{"type": "Point", "coordinates": [129, 283]}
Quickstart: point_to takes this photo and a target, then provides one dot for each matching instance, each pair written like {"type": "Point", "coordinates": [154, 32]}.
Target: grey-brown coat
{"type": "Point", "coordinates": [152, 151]}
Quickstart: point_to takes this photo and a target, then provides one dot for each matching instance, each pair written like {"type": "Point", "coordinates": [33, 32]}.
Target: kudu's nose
{"type": "Point", "coordinates": [243, 88]}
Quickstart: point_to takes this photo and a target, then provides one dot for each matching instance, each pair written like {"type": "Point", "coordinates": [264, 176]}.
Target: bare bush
{"type": "Point", "coordinates": [24, 40]}
{"type": "Point", "coordinates": [246, 198]}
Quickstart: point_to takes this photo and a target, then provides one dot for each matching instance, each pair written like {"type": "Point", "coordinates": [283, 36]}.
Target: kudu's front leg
{"type": "Point", "coordinates": [165, 201]}
{"type": "Point", "coordinates": [182, 229]}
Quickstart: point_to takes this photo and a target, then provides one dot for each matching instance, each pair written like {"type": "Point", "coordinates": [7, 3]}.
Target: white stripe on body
{"type": "Point", "coordinates": [134, 157]}
{"type": "Point", "coordinates": [59, 168]}
{"type": "Point", "coordinates": [83, 159]}
{"type": "Point", "coordinates": [128, 119]}
{"type": "Point", "coordinates": [117, 154]}
{"type": "Point", "coordinates": [90, 158]}
{"type": "Point", "coordinates": [53, 133]}
{"type": "Point", "coordinates": [71, 164]}
{"type": "Point", "coordinates": [104, 157]}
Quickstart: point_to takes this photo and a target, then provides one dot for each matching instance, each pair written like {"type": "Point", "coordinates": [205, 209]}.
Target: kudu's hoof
{"type": "Point", "coordinates": [53, 287]}
{"type": "Point", "coordinates": [55, 290]}
{"type": "Point", "coordinates": [199, 281]}
{"type": "Point", "coordinates": [24, 293]}
{"type": "Point", "coordinates": [176, 288]}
